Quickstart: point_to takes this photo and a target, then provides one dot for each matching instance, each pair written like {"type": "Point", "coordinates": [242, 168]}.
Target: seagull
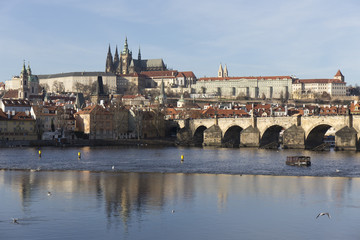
{"type": "Point", "coordinates": [15, 220]}
{"type": "Point", "coordinates": [172, 211]}
{"type": "Point", "coordinates": [337, 170]}
{"type": "Point", "coordinates": [113, 167]}
{"type": "Point", "coordinates": [49, 193]}
{"type": "Point", "coordinates": [322, 214]}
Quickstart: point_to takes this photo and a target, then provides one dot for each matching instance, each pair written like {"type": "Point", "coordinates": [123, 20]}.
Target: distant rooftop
{"type": "Point", "coordinates": [76, 74]}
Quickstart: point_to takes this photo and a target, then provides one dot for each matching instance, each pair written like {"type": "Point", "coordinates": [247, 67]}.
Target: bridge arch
{"type": "Point", "coordinates": [316, 136]}
{"type": "Point", "coordinates": [232, 136]}
{"type": "Point", "coordinates": [198, 137]}
{"type": "Point", "coordinates": [271, 136]}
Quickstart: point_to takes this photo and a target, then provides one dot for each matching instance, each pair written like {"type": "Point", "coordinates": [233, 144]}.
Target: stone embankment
{"type": "Point", "coordinates": [92, 143]}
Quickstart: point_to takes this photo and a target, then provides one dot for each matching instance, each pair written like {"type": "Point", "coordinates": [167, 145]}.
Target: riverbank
{"type": "Point", "coordinates": [86, 142]}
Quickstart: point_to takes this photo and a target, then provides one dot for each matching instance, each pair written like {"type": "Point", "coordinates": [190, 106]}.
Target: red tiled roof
{"type": "Point", "coordinates": [180, 75]}
{"type": "Point", "coordinates": [171, 73]}
{"type": "Point", "coordinates": [210, 112]}
{"type": "Point", "coordinates": [339, 74]}
{"type": "Point", "coordinates": [2, 114]}
{"type": "Point", "coordinates": [170, 111]}
{"type": "Point", "coordinates": [11, 94]}
{"type": "Point", "coordinates": [22, 116]}
{"type": "Point", "coordinates": [131, 96]}
{"type": "Point", "coordinates": [319, 81]}
{"type": "Point", "coordinates": [90, 109]}
{"type": "Point", "coordinates": [189, 74]}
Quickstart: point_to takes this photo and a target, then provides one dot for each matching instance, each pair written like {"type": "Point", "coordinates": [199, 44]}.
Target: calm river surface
{"type": "Point", "coordinates": [147, 193]}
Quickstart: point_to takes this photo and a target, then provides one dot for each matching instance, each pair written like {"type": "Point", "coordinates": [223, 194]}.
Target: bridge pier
{"type": "Point", "coordinates": [346, 139]}
{"type": "Point", "coordinates": [294, 137]}
{"type": "Point", "coordinates": [250, 137]}
{"type": "Point", "coordinates": [213, 136]}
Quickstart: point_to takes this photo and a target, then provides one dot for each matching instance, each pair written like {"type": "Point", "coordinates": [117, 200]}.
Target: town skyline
{"type": "Point", "coordinates": [307, 39]}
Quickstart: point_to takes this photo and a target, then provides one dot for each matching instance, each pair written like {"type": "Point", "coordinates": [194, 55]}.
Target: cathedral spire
{"type": "Point", "coordinates": [117, 64]}
{"type": "Point", "coordinates": [116, 56]}
{"type": "Point", "coordinates": [126, 49]}
{"type": "Point", "coordinates": [139, 55]}
{"type": "Point", "coordinates": [109, 62]}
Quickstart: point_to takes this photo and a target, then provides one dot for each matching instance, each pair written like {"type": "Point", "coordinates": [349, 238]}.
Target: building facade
{"type": "Point", "coordinates": [20, 126]}
{"type": "Point", "coordinates": [95, 121]}
{"type": "Point", "coordinates": [26, 83]}
{"type": "Point", "coordinates": [75, 81]}
{"type": "Point", "coordinates": [307, 88]}
{"type": "Point", "coordinates": [252, 87]}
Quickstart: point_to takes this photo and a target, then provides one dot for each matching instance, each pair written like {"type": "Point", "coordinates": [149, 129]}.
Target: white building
{"type": "Point", "coordinates": [72, 81]}
{"type": "Point", "coordinates": [334, 87]}
{"type": "Point", "coordinates": [253, 87]}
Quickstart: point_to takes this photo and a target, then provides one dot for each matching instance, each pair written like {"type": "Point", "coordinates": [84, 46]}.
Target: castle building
{"type": "Point", "coordinates": [124, 63]}
{"type": "Point", "coordinates": [121, 73]}
{"type": "Point", "coordinates": [233, 87]}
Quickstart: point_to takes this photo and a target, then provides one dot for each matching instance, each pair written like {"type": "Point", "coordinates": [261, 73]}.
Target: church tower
{"type": "Point", "coordinates": [109, 62]}
{"type": "Point", "coordinates": [339, 76]}
{"type": "Point", "coordinates": [24, 84]}
{"type": "Point", "coordinates": [162, 96]}
{"type": "Point", "coordinates": [221, 71]}
{"type": "Point", "coordinates": [225, 71]}
{"type": "Point", "coordinates": [125, 58]}
{"type": "Point", "coordinates": [139, 55]}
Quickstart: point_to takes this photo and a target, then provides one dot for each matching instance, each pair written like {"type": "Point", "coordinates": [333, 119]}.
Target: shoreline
{"type": "Point", "coordinates": [155, 172]}
{"type": "Point", "coordinates": [89, 143]}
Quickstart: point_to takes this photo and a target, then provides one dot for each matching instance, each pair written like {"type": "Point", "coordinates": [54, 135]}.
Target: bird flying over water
{"type": "Point", "coordinates": [15, 220]}
{"type": "Point", "coordinates": [322, 214]}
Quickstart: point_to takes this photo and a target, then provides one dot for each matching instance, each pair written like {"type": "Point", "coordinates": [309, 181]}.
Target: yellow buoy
{"type": "Point", "coordinates": [39, 153]}
{"type": "Point", "coordinates": [79, 154]}
{"type": "Point", "coordinates": [182, 158]}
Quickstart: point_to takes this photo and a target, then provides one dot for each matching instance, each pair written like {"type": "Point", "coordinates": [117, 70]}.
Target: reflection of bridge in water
{"type": "Point", "coordinates": [293, 132]}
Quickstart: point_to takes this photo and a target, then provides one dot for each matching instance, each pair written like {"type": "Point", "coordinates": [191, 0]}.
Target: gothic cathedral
{"type": "Point", "coordinates": [124, 63]}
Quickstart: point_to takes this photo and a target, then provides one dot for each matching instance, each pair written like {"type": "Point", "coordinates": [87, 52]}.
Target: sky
{"type": "Point", "coordinates": [306, 39]}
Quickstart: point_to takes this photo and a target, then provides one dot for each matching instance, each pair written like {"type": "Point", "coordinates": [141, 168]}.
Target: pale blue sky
{"type": "Point", "coordinates": [307, 38]}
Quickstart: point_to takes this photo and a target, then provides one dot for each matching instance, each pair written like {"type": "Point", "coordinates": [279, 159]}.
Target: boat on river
{"type": "Point", "coordinates": [298, 160]}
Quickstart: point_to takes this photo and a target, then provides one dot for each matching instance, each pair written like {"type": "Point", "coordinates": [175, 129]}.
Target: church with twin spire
{"type": "Point", "coordinates": [124, 63]}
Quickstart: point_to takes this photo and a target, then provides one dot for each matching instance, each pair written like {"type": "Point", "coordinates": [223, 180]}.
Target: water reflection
{"type": "Point", "coordinates": [130, 195]}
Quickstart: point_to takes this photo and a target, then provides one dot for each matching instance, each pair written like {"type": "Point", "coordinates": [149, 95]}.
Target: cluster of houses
{"type": "Point", "coordinates": [130, 116]}
{"type": "Point", "coordinates": [231, 110]}
{"type": "Point", "coordinates": [67, 119]}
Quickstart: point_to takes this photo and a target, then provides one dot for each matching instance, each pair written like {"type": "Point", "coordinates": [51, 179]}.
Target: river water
{"type": "Point", "coordinates": [147, 193]}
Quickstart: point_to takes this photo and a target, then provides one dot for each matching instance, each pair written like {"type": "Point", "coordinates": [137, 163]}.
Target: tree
{"type": "Point", "coordinates": [45, 86]}
{"type": "Point", "coordinates": [58, 87]}
{"type": "Point", "coordinates": [55, 87]}
{"type": "Point", "coordinates": [132, 89]}
{"type": "Point", "coordinates": [263, 97]}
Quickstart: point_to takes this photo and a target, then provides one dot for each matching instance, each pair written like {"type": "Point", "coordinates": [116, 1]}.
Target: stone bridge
{"type": "Point", "coordinates": [293, 132]}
